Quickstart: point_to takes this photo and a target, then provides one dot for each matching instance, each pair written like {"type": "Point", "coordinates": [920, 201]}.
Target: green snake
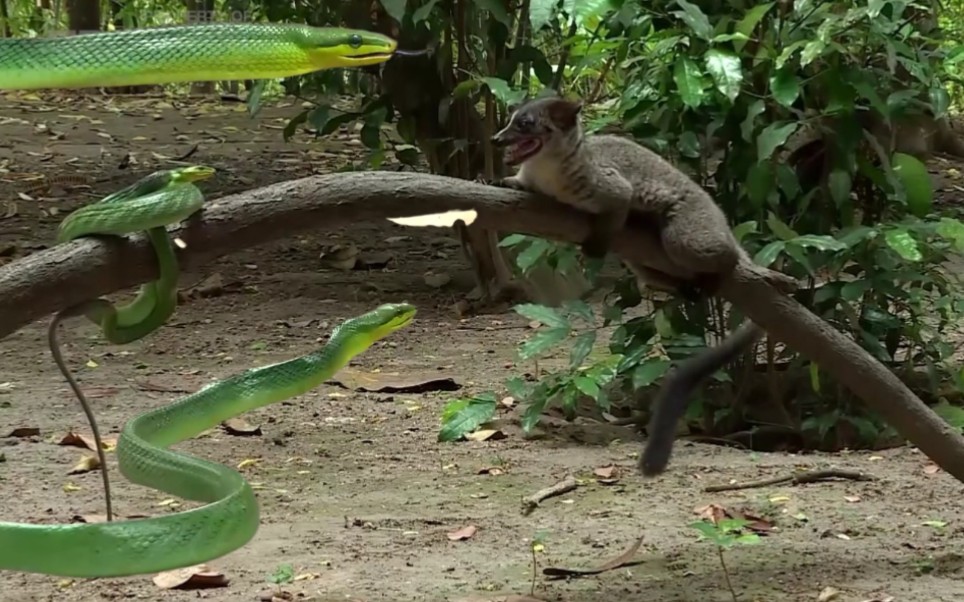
{"type": "Point", "coordinates": [230, 517]}
{"type": "Point", "coordinates": [185, 53]}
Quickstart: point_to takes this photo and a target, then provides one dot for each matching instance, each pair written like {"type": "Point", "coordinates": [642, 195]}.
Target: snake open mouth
{"type": "Point", "coordinates": [370, 55]}
{"type": "Point", "coordinates": [522, 149]}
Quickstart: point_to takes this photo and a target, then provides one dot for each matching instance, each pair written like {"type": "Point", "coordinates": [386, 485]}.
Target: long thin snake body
{"type": "Point", "coordinates": [230, 515]}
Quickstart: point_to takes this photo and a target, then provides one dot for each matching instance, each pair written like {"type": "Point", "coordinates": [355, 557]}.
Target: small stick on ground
{"type": "Point", "coordinates": [800, 478]}
{"type": "Point", "coordinates": [529, 503]}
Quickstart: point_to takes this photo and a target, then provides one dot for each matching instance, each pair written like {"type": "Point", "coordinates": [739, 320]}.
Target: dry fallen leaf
{"type": "Point", "coordinates": [932, 469]}
{"type": "Point", "coordinates": [758, 525]}
{"type": "Point", "coordinates": [713, 513]}
{"type": "Point", "coordinates": [623, 560]}
{"type": "Point", "coordinates": [87, 441]}
{"type": "Point", "coordinates": [248, 462]}
{"type": "Point", "coordinates": [25, 431]}
{"type": "Point", "coordinates": [605, 472]}
{"type": "Point", "coordinates": [852, 498]}
{"type": "Point", "coordinates": [492, 470]}
{"type": "Point", "coordinates": [463, 533]}
{"type": "Point", "coordinates": [240, 427]}
{"type": "Point", "coordinates": [85, 464]}
{"type": "Point", "coordinates": [485, 435]}
{"type": "Point", "coordinates": [828, 594]}
{"type": "Point", "coordinates": [192, 577]}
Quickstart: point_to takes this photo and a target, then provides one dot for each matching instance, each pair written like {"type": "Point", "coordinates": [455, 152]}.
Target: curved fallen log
{"type": "Point", "coordinates": [47, 281]}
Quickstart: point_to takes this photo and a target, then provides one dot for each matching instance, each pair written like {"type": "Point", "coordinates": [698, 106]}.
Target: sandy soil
{"type": "Point", "coordinates": [356, 494]}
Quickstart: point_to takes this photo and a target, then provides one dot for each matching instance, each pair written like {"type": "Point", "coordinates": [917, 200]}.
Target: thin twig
{"type": "Point", "coordinates": [529, 503]}
{"type": "Point", "coordinates": [54, 344]}
{"type": "Point", "coordinates": [800, 478]}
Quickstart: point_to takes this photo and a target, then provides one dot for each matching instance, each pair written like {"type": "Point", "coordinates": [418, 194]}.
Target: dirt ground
{"type": "Point", "coordinates": [355, 492]}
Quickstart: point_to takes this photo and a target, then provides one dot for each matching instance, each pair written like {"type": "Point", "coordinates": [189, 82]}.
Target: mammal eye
{"type": "Point", "coordinates": [525, 121]}
{"type": "Point", "coordinates": [354, 40]}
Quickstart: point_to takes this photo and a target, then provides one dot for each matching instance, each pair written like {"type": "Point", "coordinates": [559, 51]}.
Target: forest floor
{"type": "Point", "coordinates": [356, 494]}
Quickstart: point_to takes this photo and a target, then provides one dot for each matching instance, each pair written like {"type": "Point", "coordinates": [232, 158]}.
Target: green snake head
{"type": "Point", "coordinates": [336, 47]}
{"type": "Point", "coordinates": [193, 173]}
{"type": "Point", "coordinates": [163, 197]}
{"type": "Point", "coordinates": [358, 334]}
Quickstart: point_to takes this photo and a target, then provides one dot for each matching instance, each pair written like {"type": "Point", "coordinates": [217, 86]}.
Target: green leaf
{"type": "Point", "coordinates": [395, 8]}
{"type": "Point", "coordinates": [497, 9]}
{"type": "Point", "coordinates": [688, 144]}
{"type": "Point", "coordinates": [840, 184]}
{"type": "Point", "coordinates": [253, 102]}
{"type": "Point", "coordinates": [540, 13]}
{"type": "Point", "coordinates": [688, 79]}
{"type": "Point", "coordinates": [940, 100]}
{"type": "Point", "coordinates": [422, 12]}
{"type": "Point", "coordinates": [693, 16]}
{"type": "Point", "coordinates": [587, 386]}
{"type": "Point", "coordinates": [292, 126]}
{"type": "Point", "coordinates": [537, 248]}
{"type": "Point", "coordinates": [952, 229]}
{"type": "Point", "coordinates": [581, 348]}
{"type": "Point", "coordinates": [500, 89]}
{"type": "Point", "coordinates": [337, 121]}
{"type": "Point", "coordinates": [820, 242]}
{"type": "Point", "coordinates": [584, 10]}
{"type": "Point", "coordinates": [465, 88]}
{"type": "Point", "coordinates": [649, 372]}
{"type": "Point", "coordinates": [462, 416]}
{"type": "Point", "coordinates": [542, 342]}
{"type": "Point", "coordinates": [371, 136]}
{"type": "Point", "coordinates": [726, 71]}
{"type": "Point", "coordinates": [768, 254]}
{"type": "Point", "coordinates": [913, 175]}
{"type": "Point", "coordinates": [746, 128]}
{"type": "Point", "coordinates": [903, 244]}
{"type": "Point", "coordinates": [785, 86]}
{"type": "Point", "coordinates": [749, 22]}
{"type": "Point", "coordinates": [773, 137]}
{"type": "Point", "coordinates": [741, 230]}
{"type": "Point", "coordinates": [542, 314]}
{"type": "Point", "coordinates": [759, 183]}
{"type": "Point", "coordinates": [512, 240]}
{"type": "Point", "coordinates": [537, 403]}
{"type": "Point", "coordinates": [405, 126]}
{"type": "Point", "coordinates": [812, 50]}
{"type": "Point", "coordinates": [580, 308]}
{"type": "Point", "coordinates": [779, 228]}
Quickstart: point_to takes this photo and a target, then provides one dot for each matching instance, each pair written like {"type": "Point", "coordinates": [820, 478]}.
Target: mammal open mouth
{"type": "Point", "coordinates": [517, 152]}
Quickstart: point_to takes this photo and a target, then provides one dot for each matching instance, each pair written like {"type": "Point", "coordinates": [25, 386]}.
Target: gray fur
{"type": "Point", "coordinates": [614, 178]}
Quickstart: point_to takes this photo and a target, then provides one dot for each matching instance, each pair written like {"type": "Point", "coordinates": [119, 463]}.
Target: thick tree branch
{"type": "Point", "coordinates": [63, 275]}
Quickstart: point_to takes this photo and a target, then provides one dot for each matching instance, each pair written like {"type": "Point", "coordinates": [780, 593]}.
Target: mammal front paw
{"type": "Point", "coordinates": [509, 182]}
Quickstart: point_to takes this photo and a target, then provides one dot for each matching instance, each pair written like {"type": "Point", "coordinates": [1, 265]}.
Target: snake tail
{"type": "Point", "coordinates": [54, 344]}
{"type": "Point", "coordinates": [185, 53]}
{"type": "Point", "coordinates": [230, 516]}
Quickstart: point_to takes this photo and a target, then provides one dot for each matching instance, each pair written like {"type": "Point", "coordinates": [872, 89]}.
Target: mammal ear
{"type": "Point", "coordinates": [565, 113]}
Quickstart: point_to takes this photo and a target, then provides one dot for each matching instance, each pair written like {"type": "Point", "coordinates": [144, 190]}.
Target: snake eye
{"type": "Point", "coordinates": [354, 40]}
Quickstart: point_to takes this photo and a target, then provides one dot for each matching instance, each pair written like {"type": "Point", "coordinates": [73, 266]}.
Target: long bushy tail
{"type": "Point", "coordinates": [674, 396]}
